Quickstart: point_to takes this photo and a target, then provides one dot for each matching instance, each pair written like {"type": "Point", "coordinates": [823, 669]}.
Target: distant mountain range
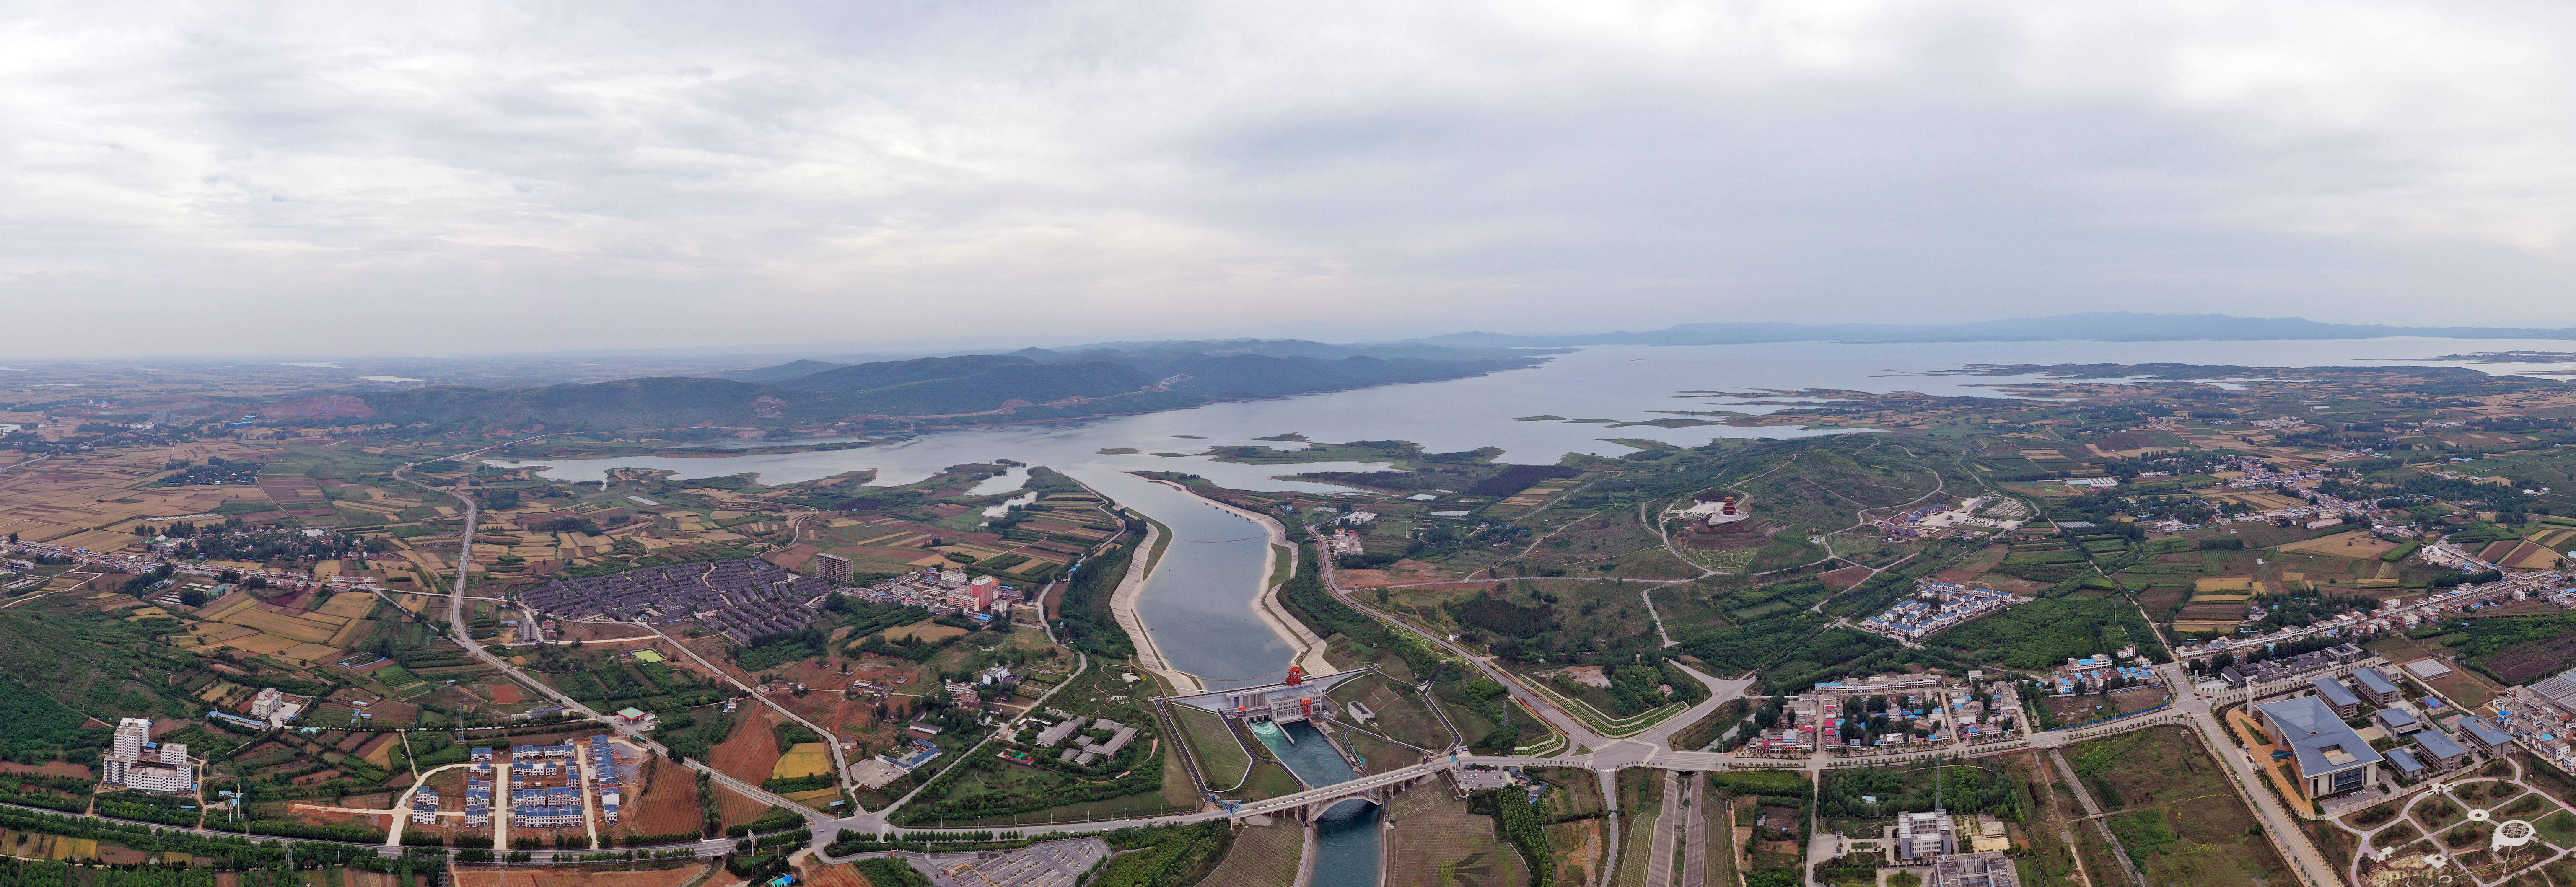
{"type": "Point", "coordinates": [1131, 377]}
{"type": "Point", "coordinates": [2101, 326]}
{"type": "Point", "coordinates": [1026, 385]}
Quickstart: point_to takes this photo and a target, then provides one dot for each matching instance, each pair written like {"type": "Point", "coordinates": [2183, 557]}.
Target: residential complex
{"type": "Point", "coordinates": [1936, 606]}
{"type": "Point", "coordinates": [134, 761]}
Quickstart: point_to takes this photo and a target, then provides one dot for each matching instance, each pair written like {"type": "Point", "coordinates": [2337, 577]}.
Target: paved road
{"type": "Point", "coordinates": [1659, 850]}
{"type": "Point", "coordinates": [2309, 865]}
{"type": "Point", "coordinates": [1695, 831]}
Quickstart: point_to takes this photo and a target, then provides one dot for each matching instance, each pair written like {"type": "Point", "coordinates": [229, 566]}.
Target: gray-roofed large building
{"type": "Point", "coordinates": [2439, 751]}
{"type": "Point", "coordinates": [2376, 686]}
{"type": "Point", "coordinates": [2483, 735]}
{"type": "Point", "coordinates": [2330, 758]}
{"type": "Point", "coordinates": [2404, 763]}
{"type": "Point", "coordinates": [2397, 721]}
{"type": "Point", "coordinates": [2337, 697]}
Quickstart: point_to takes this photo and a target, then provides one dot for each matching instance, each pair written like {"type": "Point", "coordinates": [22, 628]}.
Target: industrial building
{"type": "Point", "coordinates": [1298, 698]}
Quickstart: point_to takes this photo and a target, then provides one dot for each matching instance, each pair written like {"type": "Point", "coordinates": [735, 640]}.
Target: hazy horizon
{"type": "Point", "coordinates": [496, 179]}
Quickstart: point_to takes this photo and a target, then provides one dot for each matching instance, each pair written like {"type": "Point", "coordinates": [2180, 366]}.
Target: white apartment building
{"type": "Point", "coordinates": [134, 761]}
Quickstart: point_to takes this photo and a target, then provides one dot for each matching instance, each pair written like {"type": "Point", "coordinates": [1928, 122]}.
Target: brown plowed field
{"type": "Point", "coordinates": [49, 768]}
{"type": "Point", "coordinates": [668, 804]}
{"type": "Point", "coordinates": [833, 712]}
{"type": "Point", "coordinates": [748, 755]}
{"type": "Point", "coordinates": [838, 876]}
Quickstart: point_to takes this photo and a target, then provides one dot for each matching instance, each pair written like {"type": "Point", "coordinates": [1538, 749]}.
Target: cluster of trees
{"type": "Point", "coordinates": [233, 543]}
{"type": "Point", "coordinates": [1516, 820]}
{"type": "Point", "coordinates": [1168, 856]}
{"type": "Point", "coordinates": [2305, 609]}
{"type": "Point", "coordinates": [1492, 613]}
{"type": "Point", "coordinates": [2453, 580]}
{"type": "Point", "coordinates": [1961, 788]}
{"type": "Point", "coordinates": [217, 470]}
{"type": "Point", "coordinates": [1084, 620]}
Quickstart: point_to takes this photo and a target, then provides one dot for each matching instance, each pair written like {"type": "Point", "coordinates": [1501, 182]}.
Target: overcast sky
{"type": "Point", "coordinates": [459, 177]}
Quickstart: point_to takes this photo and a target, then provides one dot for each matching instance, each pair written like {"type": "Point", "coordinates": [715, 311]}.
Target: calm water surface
{"type": "Point", "coordinates": [1347, 836]}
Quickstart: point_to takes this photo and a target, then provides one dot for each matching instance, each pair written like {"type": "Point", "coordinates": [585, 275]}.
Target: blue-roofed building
{"type": "Point", "coordinates": [2337, 697]}
{"type": "Point", "coordinates": [2439, 750]}
{"type": "Point", "coordinates": [2376, 686]}
{"type": "Point", "coordinates": [2404, 763]}
{"type": "Point", "coordinates": [2484, 736]}
{"type": "Point", "coordinates": [2329, 757]}
{"type": "Point", "coordinates": [2398, 722]}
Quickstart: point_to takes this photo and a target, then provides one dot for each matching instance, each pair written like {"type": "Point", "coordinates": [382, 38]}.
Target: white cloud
{"type": "Point", "coordinates": [491, 177]}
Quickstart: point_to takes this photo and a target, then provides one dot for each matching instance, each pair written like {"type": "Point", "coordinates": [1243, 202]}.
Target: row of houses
{"type": "Point", "coordinates": [741, 598]}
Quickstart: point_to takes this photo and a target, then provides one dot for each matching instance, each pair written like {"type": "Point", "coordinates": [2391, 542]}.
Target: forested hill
{"type": "Point", "coordinates": [968, 388]}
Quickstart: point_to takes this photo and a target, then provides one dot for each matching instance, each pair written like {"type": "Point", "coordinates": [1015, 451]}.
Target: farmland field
{"type": "Point", "coordinates": [750, 754]}
{"type": "Point", "coordinates": [668, 804]}
{"type": "Point", "coordinates": [1263, 856]}
{"type": "Point", "coordinates": [925, 630]}
{"type": "Point", "coordinates": [2173, 808]}
{"type": "Point", "coordinates": [801, 760]}
{"type": "Point", "coordinates": [1437, 843]}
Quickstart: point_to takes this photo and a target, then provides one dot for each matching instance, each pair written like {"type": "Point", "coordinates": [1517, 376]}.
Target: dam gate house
{"type": "Point", "coordinates": [1299, 698]}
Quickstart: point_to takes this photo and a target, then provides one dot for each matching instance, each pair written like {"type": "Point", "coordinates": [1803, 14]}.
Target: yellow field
{"type": "Point", "coordinates": [801, 760]}
{"type": "Point", "coordinates": [925, 630]}
{"type": "Point", "coordinates": [2211, 583]}
{"type": "Point", "coordinates": [2220, 598]}
{"type": "Point", "coordinates": [348, 605]}
{"type": "Point", "coordinates": [43, 846]}
{"type": "Point", "coordinates": [232, 603]}
{"type": "Point", "coordinates": [264, 643]}
{"type": "Point", "coordinates": [303, 628]}
{"type": "Point", "coordinates": [312, 654]}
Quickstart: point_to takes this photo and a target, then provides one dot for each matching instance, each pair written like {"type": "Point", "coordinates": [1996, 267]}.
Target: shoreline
{"type": "Point", "coordinates": [1308, 646]}
{"type": "Point", "coordinates": [1122, 607]}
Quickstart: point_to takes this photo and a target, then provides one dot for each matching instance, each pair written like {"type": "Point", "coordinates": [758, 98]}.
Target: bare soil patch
{"type": "Point", "coordinates": [526, 877]}
{"type": "Point", "coordinates": [749, 754]}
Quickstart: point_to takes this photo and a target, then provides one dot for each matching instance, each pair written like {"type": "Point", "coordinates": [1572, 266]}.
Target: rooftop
{"type": "Point", "coordinates": [2319, 741]}
{"type": "Point", "coordinates": [2439, 744]}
